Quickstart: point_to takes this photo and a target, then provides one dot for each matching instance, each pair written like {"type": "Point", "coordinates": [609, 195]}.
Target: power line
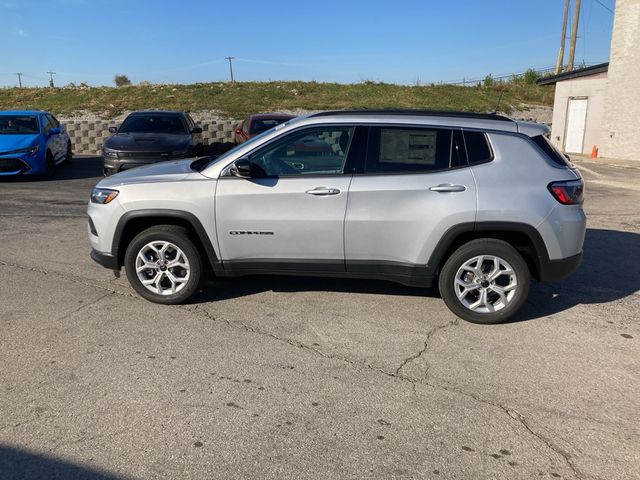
{"type": "Point", "coordinates": [603, 6]}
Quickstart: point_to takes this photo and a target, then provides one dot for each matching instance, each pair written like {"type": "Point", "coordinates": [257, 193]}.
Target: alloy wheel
{"type": "Point", "coordinates": [485, 284]}
{"type": "Point", "coordinates": [162, 268]}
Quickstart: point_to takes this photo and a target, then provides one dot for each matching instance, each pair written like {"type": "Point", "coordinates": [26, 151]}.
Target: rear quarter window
{"type": "Point", "coordinates": [478, 148]}
{"type": "Point", "coordinates": [554, 154]}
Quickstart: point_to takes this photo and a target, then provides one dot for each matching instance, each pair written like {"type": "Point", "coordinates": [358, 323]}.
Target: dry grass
{"type": "Point", "coordinates": [239, 99]}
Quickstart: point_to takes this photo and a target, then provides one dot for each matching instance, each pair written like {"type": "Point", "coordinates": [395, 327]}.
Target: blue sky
{"type": "Point", "coordinates": [348, 41]}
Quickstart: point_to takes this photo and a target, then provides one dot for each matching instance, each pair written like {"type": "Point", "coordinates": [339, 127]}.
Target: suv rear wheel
{"type": "Point", "coordinates": [485, 281]}
{"type": "Point", "coordinates": [163, 265]}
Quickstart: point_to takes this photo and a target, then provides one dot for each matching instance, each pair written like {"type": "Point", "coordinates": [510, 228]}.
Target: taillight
{"type": "Point", "coordinates": [570, 192]}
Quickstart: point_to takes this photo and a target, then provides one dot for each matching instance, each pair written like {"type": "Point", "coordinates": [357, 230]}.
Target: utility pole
{"type": "Point", "coordinates": [19, 78]}
{"type": "Point", "coordinates": [230, 67]}
{"type": "Point", "coordinates": [574, 35]}
{"type": "Point", "coordinates": [563, 38]}
{"type": "Point", "coordinates": [51, 74]}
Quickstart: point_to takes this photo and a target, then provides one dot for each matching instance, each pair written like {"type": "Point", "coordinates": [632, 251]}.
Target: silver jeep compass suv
{"type": "Point", "coordinates": [475, 202]}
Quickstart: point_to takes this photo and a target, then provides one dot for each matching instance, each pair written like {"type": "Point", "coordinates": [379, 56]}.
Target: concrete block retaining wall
{"type": "Point", "coordinates": [87, 135]}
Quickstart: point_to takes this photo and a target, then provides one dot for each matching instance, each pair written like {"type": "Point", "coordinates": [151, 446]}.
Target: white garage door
{"type": "Point", "coordinates": [576, 122]}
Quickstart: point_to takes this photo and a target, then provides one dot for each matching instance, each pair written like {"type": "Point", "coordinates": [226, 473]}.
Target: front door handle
{"type": "Point", "coordinates": [445, 187]}
{"type": "Point", "coordinates": [323, 191]}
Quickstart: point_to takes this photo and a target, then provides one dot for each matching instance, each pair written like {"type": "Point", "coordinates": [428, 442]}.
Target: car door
{"type": "Point", "coordinates": [414, 186]}
{"type": "Point", "coordinates": [290, 214]}
{"type": "Point", "coordinates": [63, 137]}
{"type": "Point", "coordinates": [49, 139]}
{"type": "Point", "coordinates": [56, 146]}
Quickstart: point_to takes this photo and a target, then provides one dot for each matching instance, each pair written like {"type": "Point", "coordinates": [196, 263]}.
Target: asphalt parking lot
{"type": "Point", "coordinates": [311, 378]}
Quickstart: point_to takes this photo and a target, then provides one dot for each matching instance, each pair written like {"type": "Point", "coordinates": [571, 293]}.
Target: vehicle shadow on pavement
{"type": "Point", "coordinates": [19, 464]}
{"type": "Point", "coordinates": [609, 272]}
{"type": "Point", "coordinates": [242, 286]}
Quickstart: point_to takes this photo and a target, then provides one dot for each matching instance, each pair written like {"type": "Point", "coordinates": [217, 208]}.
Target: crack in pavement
{"type": "Point", "coordinates": [397, 374]}
{"type": "Point", "coordinates": [82, 307]}
{"type": "Point", "coordinates": [430, 333]}
{"type": "Point", "coordinates": [71, 278]}
{"type": "Point", "coordinates": [512, 413]}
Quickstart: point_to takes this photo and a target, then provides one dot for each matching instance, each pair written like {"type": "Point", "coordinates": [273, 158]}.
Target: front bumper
{"type": "Point", "coordinates": [105, 259]}
{"type": "Point", "coordinates": [556, 270]}
{"type": "Point", "coordinates": [21, 164]}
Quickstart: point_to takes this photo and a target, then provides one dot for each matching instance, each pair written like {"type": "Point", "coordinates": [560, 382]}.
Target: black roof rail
{"type": "Point", "coordinates": [423, 113]}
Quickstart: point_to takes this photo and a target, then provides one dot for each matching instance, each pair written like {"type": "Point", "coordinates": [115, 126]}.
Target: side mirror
{"type": "Point", "coordinates": [54, 131]}
{"type": "Point", "coordinates": [113, 129]}
{"type": "Point", "coordinates": [196, 129]}
{"type": "Point", "coordinates": [241, 168]}
{"type": "Point", "coordinates": [238, 131]}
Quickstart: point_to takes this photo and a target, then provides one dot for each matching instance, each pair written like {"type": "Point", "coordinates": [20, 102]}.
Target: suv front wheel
{"type": "Point", "coordinates": [163, 265]}
{"type": "Point", "coordinates": [485, 281]}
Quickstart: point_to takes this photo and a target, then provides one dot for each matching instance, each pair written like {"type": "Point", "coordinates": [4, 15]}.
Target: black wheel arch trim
{"type": "Point", "coordinates": [438, 256]}
{"type": "Point", "coordinates": [190, 218]}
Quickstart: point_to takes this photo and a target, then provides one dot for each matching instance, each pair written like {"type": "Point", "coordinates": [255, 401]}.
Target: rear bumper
{"type": "Point", "coordinates": [105, 259]}
{"type": "Point", "coordinates": [556, 270]}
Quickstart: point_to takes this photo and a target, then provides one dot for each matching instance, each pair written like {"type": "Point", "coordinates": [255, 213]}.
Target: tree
{"type": "Point", "coordinates": [488, 81]}
{"type": "Point", "coordinates": [530, 76]}
{"type": "Point", "coordinates": [121, 80]}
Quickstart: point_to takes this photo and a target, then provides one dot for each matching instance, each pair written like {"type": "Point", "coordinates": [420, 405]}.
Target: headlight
{"type": "Point", "coordinates": [32, 150]}
{"type": "Point", "coordinates": [103, 195]}
{"type": "Point", "coordinates": [107, 152]}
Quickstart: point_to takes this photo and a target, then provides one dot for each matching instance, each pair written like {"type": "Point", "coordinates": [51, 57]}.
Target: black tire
{"type": "Point", "coordinates": [467, 252]}
{"type": "Point", "coordinates": [69, 157]}
{"type": "Point", "coordinates": [50, 165]}
{"type": "Point", "coordinates": [179, 237]}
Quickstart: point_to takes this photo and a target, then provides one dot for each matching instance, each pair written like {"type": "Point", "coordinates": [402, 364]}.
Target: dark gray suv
{"type": "Point", "coordinates": [149, 137]}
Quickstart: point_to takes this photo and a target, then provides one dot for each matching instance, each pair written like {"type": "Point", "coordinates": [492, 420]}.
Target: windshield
{"type": "Point", "coordinates": [156, 123]}
{"type": "Point", "coordinates": [18, 124]}
{"type": "Point", "coordinates": [201, 166]}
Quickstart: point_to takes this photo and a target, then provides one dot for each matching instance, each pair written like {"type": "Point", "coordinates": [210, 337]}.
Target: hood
{"type": "Point", "coordinates": [152, 173]}
{"type": "Point", "coordinates": [16, 142]}
{"type": "Point", "coordinates": [147, 142]}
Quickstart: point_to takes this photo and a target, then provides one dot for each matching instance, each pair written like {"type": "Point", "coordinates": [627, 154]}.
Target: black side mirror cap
{"type": "Point", "coordinates": [241, 168]}
{"type": "Point", "coordinates": [196, 129]}
{"type": "Point", "coordinates": [113, 129]}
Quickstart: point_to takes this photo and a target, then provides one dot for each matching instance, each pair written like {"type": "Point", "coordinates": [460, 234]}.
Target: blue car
{"type": "Point", "coordinates": [32, 143]}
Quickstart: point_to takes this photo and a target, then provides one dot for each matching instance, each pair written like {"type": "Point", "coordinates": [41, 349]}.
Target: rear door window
{"type": "Point", "coordinates": [409, 150]}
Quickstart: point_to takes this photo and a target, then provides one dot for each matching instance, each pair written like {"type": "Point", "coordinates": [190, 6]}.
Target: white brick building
{"type": "Point", "coordinates": [600, 105]}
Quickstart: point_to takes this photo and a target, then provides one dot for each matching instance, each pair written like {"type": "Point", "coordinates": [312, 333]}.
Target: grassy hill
{"type": "Point", "coordinates": [239, 99]}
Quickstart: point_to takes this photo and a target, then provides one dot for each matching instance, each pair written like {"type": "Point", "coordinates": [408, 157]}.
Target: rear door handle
{"type": "Point", "coordinates": [445, 187]}
{"type": "Point", "coordinates": [323, 191]}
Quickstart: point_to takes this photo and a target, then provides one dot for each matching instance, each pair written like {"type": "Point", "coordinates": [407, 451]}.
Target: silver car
{"type": "Point", "coordinates": [476, 203]}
